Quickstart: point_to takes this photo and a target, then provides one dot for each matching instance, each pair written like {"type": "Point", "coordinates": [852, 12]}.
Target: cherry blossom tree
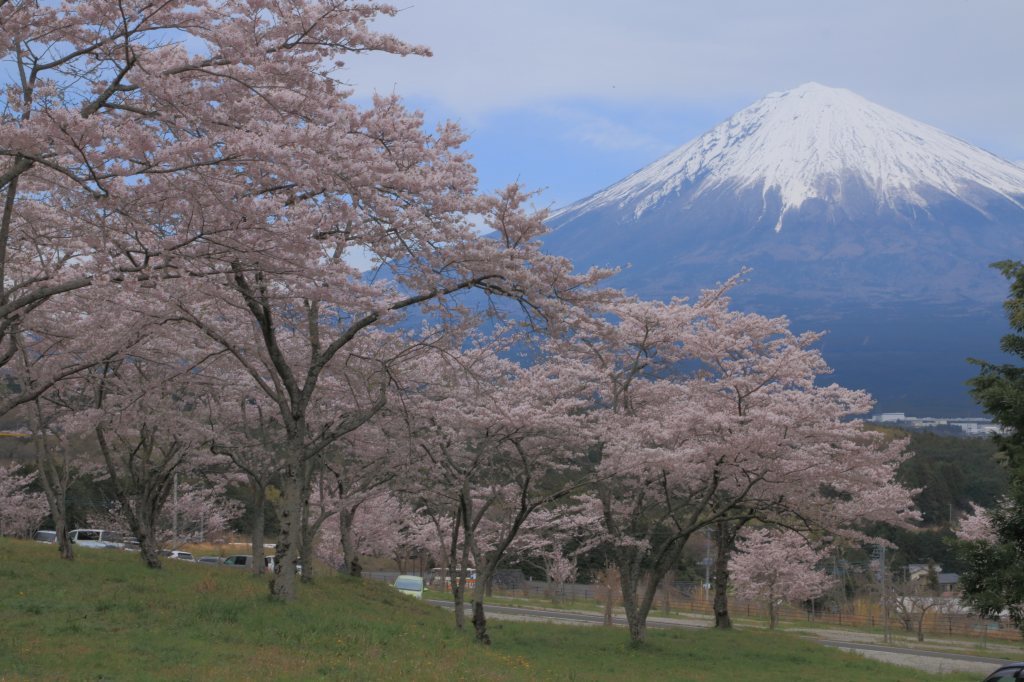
{"type": "Point", "coordinates": [775, 567]}
{"type": "Point", "coordinates": [559, 569]}
{"type": "Point", "coordinates": [245, 433]}
{"type": "Point", "coordinates": [380, 526]}
{"type": "Point", "coordinates": [977, 526]}
{"type": "Point", "coordinates": [145, 422]}
{"type": "Point", "coordinates": [21, 509]}
{"type": "Point", "coordinates": [912, 600]}
{"type": "Point", "coordinates": [57, 462]}
{"type": "Point", "coordinates": [361, 466]}
{"type": "Point", "coordinates": [123, 130]}
{"type": "Point", "coordinates": [499, 442]}
{"type": "Point", "coordinates": [90, 326]}
{"type": "Point", "coordinates": [197, 510]}
{"type": "Point", "coordinates": [548, 540]}
{"type": "Point", "coordinates": [712, 417]}
{"type": "Point", "coordinates": [207, 150]}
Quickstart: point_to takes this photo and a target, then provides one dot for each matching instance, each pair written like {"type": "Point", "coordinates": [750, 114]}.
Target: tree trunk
{"type": "Point", "coordinates": [63, 541]}
{"type": "Point", "coordinates": [284, 586]}
{"type": "Point", "coordinates": [306, 544]}
{"type": "Point", "coordinates": [55, 478]}
{"type": "Point", "coordinates": [636, 601]}
{"type": "Point", "coordinates": [721, 579]}
{"type": "Point", "coordinates": [458, 599]}
{"type": "Point", "coordinates": [484, 577]}
{"type": "Point", "coordinates": [773, 614]}
{"type": "Point", "coordinates": [609, 585]}
{"type": "Point", "coordinates": [142, 521]}
{"type": "Point", "coordinates": [259, 505]}
{"type": "Point", "coordinates": [349, 551]}
{"type": "Point", "coordinates": [636, 619]}
{"type": "Point", "coordinates": [920, 627]}
{"type": "Point", "coordinates": [666, 592]}
{"type": "Point", "coordinates": [458, 571]}
{"type": "Point", "coordinates": [148, 549]}
{"type": "Point", "coordinates": [56, 499]}
{"type": "Point", "coordinates": [480, 622]}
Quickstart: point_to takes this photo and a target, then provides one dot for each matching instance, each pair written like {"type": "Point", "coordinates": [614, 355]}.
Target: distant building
{"type": "Point", "coordinates": [976, 427]}
{"type": "Point", "coordinates": [949, 582]}
{"type": "Point", "coordinates": [919, 571]}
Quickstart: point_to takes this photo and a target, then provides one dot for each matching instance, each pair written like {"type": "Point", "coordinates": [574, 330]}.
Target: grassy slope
{"type": "Point", "coordinates": [107, 617]}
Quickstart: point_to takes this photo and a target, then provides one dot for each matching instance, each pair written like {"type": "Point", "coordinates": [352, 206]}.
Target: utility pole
{"type": "Point", "coordinates": [174, 522]}
{"type": "Point", "coordinates": [887, 635]}
{"type": "Point", "coordinates": [707, 560]}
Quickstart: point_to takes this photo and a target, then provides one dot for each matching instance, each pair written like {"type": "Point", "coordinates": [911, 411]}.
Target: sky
{"type": "Point", "coordinates": [569, 96]}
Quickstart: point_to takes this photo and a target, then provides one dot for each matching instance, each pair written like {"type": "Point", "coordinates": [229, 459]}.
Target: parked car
{"type": "Point", "coordinates": [1008, 672]}
{"type": "Point", "coordinates": [210, 560]}
{"type": "Point", "coordinates": [48, 536]}
{"type": "Point", "coordinates": [245, 561]}
{"type": "Point", "coordinates": [411, 585]}
{"type": "Point", "coordinates": [177, 554]}
{"type": "Point", "coordinates": [97, 538]}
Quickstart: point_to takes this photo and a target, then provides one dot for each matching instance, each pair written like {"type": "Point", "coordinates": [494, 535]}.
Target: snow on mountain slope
{"type": "Point", "coordinates": [810, 142]}
{"type": "Point", "coordinates": [854, 219]}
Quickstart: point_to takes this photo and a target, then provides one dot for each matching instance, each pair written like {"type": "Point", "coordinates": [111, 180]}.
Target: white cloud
{"type": "Point", "coordinates": [951, 63]}
{"type": "Point", "coordinates": [600, 132]}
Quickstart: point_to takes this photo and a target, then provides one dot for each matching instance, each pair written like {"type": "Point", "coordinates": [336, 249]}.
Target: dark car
{"type": "Point", "coordinates": [245, 560]}
{"type": "Point", "coordinates": [48, 536]}
{"type": "Point", "coordinates": [1010, 671]}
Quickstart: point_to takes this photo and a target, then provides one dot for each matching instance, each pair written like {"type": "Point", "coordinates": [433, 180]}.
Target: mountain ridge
{"type": "Point", "coordinates": [852, 218]}
{"type": "Point", "coordinates": [801, 142]}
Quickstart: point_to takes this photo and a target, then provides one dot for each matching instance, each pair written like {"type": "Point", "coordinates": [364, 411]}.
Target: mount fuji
{"type": "Point", "coordinates": [853, 218]}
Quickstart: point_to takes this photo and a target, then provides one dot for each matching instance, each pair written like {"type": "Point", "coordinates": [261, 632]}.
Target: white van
{"type": "Point", "coordinates": [97, 538]}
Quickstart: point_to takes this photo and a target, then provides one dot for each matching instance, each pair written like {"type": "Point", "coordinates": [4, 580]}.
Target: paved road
{"type": "Point", "coordinates": [560, 616]}
{"type": "Point", "coordinates": [933, 661]}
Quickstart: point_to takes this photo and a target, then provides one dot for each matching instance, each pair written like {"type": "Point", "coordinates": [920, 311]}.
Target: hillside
{"type": "Point", "coordinates": [107, 617]}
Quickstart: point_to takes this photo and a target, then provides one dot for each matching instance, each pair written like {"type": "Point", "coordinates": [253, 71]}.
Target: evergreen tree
{"type": "Point", "coordinates": [994, 579]}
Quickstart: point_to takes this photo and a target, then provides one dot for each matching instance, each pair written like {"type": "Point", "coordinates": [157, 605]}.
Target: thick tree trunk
{"type": "Point", "coordinates": [259, 509]}
{"type": "Point", "coordinates": [773, 614]}
{"type": "Point", "coordinates": [484, 578]}
{"type": "Point", "coordinates": [459, 600]}
{"type": "Point", "coordinates": [63, 541]}
{"type": "Point", "coordinates": [457, 570]}
{"type": "Point", "coordinates": [142, 522]}
{"type": "Point", "coordinates": [666, 592]}
{"type": "Point", "coordinates": [480, 622]}
{"type": "Point", "coordinates": [149, 551]}
{"type": "Point", "coordinates": [150, 556]}
{"type": "Point", "coordinates": [721, 578]}
{"type": "Point", "coordinates": [349, 551]}
{"type": "Point", "coordinates": [306, 544]}
{"type": "Point", "coordinates": [56, 499]}
{"type": "Point", "coordinates": [636, 618]}
{"type": "Point", "coordinates": [640, 588]}
{"type": "Point", "coordinates": [55, 478]}
{"type": "Point", "coordinates": [284, 586]}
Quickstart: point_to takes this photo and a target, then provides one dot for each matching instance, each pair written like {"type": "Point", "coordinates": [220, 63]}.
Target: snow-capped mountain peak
{"type": "Point", "coordinates": [852, 218]}
{"type": "Point", "coordinates": [811, 142]}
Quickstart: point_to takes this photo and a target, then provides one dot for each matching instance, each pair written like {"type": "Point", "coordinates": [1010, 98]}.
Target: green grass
{"type": "Point", "coordinates": [106, 617]}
